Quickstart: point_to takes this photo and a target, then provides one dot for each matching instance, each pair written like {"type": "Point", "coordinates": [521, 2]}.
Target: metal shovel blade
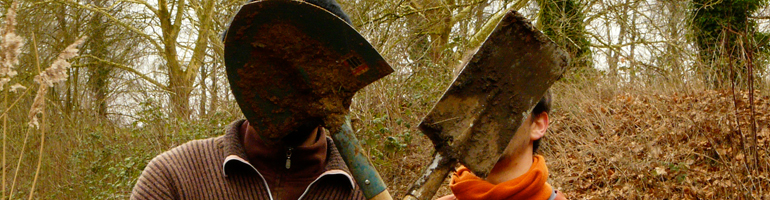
{"type": "Point", "coordinates": [482, 109]}
{"type": "Point", "coordinates": [290, 61]}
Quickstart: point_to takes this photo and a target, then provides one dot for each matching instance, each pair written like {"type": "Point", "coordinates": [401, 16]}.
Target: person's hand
{"type": "Point", "coordinates": [447, 197]}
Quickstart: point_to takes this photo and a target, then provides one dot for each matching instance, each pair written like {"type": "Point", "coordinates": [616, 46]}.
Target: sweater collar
{"type": "Point", "coordinates": [235, 154]}
{"type": "Point", "coordinates": [295, 162]}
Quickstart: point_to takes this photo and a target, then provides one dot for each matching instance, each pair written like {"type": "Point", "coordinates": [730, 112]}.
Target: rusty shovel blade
{"type": "Point", "coordinates": [480, 112]}
{"type": "Point", "coordinates": [289, 62]}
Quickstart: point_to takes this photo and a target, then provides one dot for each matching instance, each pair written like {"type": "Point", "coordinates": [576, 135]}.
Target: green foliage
{"type": "Point", "coordinates": [150, 112]}
{"type": "Point", "coordinates": [720, 29]}
{"type": "Point", "coordinates": [103, 161]}
{"type": "Point", "coordinates": [107, 169]}
{"type": "Point", "coordinates": [562, 21]}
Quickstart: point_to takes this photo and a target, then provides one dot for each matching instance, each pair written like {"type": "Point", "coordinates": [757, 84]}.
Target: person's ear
{"type": "Point", "coordinates": [539, 126]}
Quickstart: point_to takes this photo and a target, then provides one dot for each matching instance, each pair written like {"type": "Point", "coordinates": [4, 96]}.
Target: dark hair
{"type": "Point", "coordinates": [543, 106]}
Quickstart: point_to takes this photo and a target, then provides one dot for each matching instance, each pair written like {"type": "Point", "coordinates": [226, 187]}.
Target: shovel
{"type": "Point", "coordinates": [291, 62]}
{"type": "Point", "coordinates": [479, 113]}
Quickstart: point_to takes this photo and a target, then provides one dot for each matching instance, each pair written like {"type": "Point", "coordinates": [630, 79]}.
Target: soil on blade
{"type": "Point", "coordinates": [289, 72]}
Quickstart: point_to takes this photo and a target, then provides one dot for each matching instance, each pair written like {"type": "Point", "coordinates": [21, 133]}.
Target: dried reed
{"type": "Point", "coordinates": [10, 48]}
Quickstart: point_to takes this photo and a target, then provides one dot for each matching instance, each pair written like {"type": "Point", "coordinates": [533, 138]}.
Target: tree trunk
{"type": "Point", "coordinates": [202, 102]}
{"type": "Point", "coordinates": [632, 68]}
{"type": "Point", "coordinates": [99, 71]}
{"type": "Point", "coordinates": [673, 31]}
{"type": "Point", "coordinates": [213, 106]}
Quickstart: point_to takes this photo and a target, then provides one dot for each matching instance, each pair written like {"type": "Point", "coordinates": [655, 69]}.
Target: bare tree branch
{"type": "Point", "coordinates": [124, 68]}
{"type": "Point", "coordinates": [115, 20]}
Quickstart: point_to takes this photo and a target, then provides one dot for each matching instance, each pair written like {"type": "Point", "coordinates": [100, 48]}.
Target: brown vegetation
{"type": "Point", "coordinates": [621, 142]}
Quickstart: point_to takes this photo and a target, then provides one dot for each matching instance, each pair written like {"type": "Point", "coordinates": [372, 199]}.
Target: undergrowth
{"type": "Point", "coordinates": [613, 141]}
{"type": "Point", "coordinates": [606, 141]}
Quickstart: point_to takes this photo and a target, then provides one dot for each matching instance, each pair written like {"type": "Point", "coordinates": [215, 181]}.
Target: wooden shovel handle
{"type": "Point", "coordinates": [365, 174]}
{"type": "Point", "coordinates": [432, 178]}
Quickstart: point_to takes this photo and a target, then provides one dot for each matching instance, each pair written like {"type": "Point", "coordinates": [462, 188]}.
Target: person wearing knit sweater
{"type": "Point", "coordinates": [520, 174]}
{"type": "Point", "coordinates": [246, 164]}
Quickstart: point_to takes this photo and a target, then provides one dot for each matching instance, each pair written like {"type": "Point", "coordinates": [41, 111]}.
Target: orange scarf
{"type": "Point", "coordinates": [531, 185]}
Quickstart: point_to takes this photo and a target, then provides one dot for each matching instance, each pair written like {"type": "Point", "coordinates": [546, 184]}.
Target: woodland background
{"type": "Point", "coordinates": [664, 98]}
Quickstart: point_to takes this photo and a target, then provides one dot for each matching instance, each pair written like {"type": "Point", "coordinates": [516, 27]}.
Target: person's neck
{"type": "Point", "coordinates": [307, 158]}
{"type": "Point", "coordinates": [511, 167]}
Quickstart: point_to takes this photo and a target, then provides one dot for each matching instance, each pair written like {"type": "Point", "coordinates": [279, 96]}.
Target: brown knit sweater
{"type": "Point", "coordinates": [217, 168]}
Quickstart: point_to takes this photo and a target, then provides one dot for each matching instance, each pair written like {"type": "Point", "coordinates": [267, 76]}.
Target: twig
{"type": "Point", "coordinates": [735, 107]}
{"type": "Point", "coordinates": [18, 164]}
{"type": "Point", "coordinates": [39, 155]}
{"type": "Point", "coordinates": [5, 135]}
{"type": "Point", "coordinates": [396, 15]}
{"type": "Point", "coordinates": [8, 109]}
{"type": "Point", "coordinates": [737, 119]}
{"type": "Point", "coordinates": [124, 68]}
{"type": "Point", "coordinates": [759, 17]}
{"type": "Point", "coordinates": [750, 67]}
{"type": "Point", "coordinates": [92, 8]}
{"type": "Point", "coordinates": [42, 127]}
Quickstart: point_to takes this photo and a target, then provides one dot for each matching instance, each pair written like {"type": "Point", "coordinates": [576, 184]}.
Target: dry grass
{"type": "Point", "coordinates": [619, 142]}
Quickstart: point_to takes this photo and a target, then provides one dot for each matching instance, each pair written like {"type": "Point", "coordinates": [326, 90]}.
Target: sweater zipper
{"type": "Point", "coordinates": [288, 158]}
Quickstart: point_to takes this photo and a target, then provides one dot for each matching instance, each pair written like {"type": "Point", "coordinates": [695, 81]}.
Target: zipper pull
{"type": "Point", "coordinates": [288, 158]}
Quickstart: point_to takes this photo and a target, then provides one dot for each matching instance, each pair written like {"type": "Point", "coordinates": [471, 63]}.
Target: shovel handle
{"type": "Point", "coordinates": [433, 176]}
{"type": "Point", "coordinates": [367, 177]}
